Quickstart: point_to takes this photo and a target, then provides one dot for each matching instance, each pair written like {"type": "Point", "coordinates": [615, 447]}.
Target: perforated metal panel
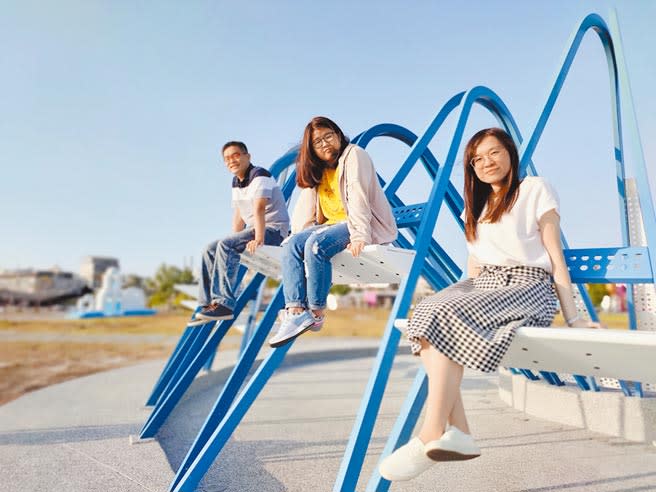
{"type": "Point", "coordinates": [609, 265]}
{"type": "Point", "coordinates": [409, 215]}
{"type": "Point", "coordinates": [376, 264]}
{"type": "Point", "coordinates": [644, 295]}
{"type": "Point", "coordinates": [624, 354]}
{"type": "Point", "coordinates": [580, 305]}
{"type": "Point", "coordinates": [266, 260]}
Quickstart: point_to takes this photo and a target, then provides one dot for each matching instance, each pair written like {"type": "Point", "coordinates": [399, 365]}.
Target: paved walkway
{"type": "Point", "coordinates": [73, 437]}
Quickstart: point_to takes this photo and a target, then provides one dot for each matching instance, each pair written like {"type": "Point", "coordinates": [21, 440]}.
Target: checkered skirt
{"type": "Point", "coordinates": [474, 321]}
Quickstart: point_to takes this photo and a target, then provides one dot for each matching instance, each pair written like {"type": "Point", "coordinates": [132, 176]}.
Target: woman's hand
{"type": "Point", "coordinates": [355, 247]}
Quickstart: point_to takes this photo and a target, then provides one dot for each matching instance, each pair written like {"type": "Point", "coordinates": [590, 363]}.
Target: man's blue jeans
{"type": "Point", "coordinates": [311, 250]}
{"type": "Point", "coordinates": [218, 274]}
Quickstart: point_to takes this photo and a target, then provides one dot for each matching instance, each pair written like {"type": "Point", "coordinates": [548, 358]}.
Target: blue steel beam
{"type": "Point", "coordinates": [633, 142]}
{"type": "Point", "coordinates": [359, 440]}
{"type": "Point", "coordinates": [403, 427]}
{"type": "Point", "coordinates": [210, 449]}
{"type": "Point", "coordinates": [167, 372]}
{"type": "Point", "coordinates": [230, 389]}
{"type": "Point", "coordinates": [171, 398]}
{"type": "Point", "coordinates": [187, 353]}
{"type": "Point", "coordinates": [196, 341]}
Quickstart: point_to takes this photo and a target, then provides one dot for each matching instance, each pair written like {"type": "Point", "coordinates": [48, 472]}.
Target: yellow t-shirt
{"type": "Point", "coordinates": [329, 197]}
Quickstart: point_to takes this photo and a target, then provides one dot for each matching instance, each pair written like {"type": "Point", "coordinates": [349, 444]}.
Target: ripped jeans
{"type": "Point", "coordinates": [306, 268]}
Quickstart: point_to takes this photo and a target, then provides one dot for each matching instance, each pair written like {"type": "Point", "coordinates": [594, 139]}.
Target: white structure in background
{"type": "Point", "coordinates": [112, 300]}
{"type": "Point", "coordinates": [108, 298]}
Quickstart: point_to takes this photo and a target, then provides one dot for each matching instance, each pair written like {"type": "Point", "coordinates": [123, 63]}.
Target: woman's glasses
{"type": "Point", "coordinates": [478, 161]}
{"type": "Point", "coordinates": [327, 138]}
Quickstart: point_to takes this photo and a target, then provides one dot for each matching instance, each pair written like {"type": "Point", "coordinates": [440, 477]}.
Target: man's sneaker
{"type": "Point", "coordinates": [196, 321]}
{"type": "Point", "coordinates": [214, 312]}
{"type": "Point", "coordinates": [318, 322]}
{"type": "Point", "coordinates": [292, 326]}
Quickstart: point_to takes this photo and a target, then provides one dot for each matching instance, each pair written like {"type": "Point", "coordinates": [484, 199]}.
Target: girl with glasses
{"type": "Point", "coordinates": [341, 207]}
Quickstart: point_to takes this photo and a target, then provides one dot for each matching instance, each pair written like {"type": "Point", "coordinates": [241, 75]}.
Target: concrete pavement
{"type": "Point", "coordinates": [73, 436]}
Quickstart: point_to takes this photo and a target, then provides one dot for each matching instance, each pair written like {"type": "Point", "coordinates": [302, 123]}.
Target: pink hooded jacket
{"type": "Point", "coordinates": [368, 213]}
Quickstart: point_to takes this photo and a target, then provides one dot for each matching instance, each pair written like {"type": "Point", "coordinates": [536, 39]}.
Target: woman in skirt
{"type": "Point", "coordinates": [516, 270]}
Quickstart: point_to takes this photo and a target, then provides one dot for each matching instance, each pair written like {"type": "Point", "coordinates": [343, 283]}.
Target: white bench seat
{"type": "Point", "coordinates": [621, 354]}
{"type": "Point", "coordinates": [376, 264]}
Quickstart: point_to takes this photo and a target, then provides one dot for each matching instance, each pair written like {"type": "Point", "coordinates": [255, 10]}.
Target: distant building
{"type": "Point", "coordinates": [93, 268]}
{"type": "Point", "coordinates": [39, 287]}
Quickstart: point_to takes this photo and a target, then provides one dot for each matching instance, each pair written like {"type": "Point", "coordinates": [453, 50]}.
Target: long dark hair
{"type": "Point", "coordinates": [479, 194]}
{"type": "Point", "coordinates": [309, 168]}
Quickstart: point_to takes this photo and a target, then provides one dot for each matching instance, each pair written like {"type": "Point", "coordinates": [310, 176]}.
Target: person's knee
{"type": "Point", "coordinates": [425, 344]}
{"type": "Point", "coordinates": [233, 242]}
{"type": "Point", "coordinates": [223, 244]}
{"type": "Point", "coordinates": [210, 249]}
{"type": "Point", "coordinates": [313, 245]}
{"type": "Point", "coordinates": [293, 247]}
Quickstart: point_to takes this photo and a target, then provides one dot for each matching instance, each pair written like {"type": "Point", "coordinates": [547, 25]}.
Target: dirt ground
{"type": "Point", "coordinates": [27, 366]}
{"type": "Point", "coordinates": [36, 351]}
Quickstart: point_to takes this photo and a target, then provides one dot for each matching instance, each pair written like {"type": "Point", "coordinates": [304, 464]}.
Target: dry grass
{"type": "Point", "coordinates": [161, 324]}
{"type": "Point", "coordinates": [26, 366]}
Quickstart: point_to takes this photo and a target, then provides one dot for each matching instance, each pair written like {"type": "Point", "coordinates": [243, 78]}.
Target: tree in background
{"type": "Point", "coordinates": [597, 293]}
{"type": "Point", "coordinates": [133, 280]}
{"type": "Point", "coordinates": [340, 290]}
{"type": "Point", "coordinates": [161, 285]}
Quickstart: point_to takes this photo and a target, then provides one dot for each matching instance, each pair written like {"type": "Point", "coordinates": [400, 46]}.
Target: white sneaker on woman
{"type": "Point", "coordinates": [454, 445]}
{"type": "Point", "coordinates": [406, 463]}
{"type": "Point", "coordinates": [293, 325]}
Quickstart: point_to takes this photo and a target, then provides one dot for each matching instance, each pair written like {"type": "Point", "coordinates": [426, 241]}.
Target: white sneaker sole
{"type": "Point", "coordinates": [215, 318]}
{"type": "Point", "coordinates": [438, 454]}
{"type": "Point", "coordinates": [199, 321]}
{"type": "Point", "coordinates": [290, 336]}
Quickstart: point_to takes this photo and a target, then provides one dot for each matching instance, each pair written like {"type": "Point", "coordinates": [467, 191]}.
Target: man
{"type": "Point", "coordinates": [260, 217]}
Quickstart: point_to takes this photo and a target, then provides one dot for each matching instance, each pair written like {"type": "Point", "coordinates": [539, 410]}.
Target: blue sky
{"type": "Point", "coordinates": [114, 113]}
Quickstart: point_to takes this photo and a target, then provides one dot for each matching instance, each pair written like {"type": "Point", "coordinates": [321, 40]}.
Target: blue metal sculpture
{"type": "Point", "coordinates": [431, 261]}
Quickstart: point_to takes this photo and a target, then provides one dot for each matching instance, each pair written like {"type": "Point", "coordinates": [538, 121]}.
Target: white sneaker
{"type": "Point", "coordinates": [454, 445]}
{"type": "Point", "coordinates": [406, 463]}
{"type": "Point", "coordinates": [318, 322]}
{"type": "Point", "coordinates": [292, 326]}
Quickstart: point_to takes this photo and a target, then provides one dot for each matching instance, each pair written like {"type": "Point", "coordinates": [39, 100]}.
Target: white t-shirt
{"type": "Point", "coordinates": [259, 183]}
{"type": "Point", "coordinates": [515, 239]}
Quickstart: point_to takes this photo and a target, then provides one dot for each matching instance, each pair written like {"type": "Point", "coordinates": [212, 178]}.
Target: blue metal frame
{"type": "Point", "coordinates": [168, 370]}
{"type": "Point", "coordinates": [430, 261]}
